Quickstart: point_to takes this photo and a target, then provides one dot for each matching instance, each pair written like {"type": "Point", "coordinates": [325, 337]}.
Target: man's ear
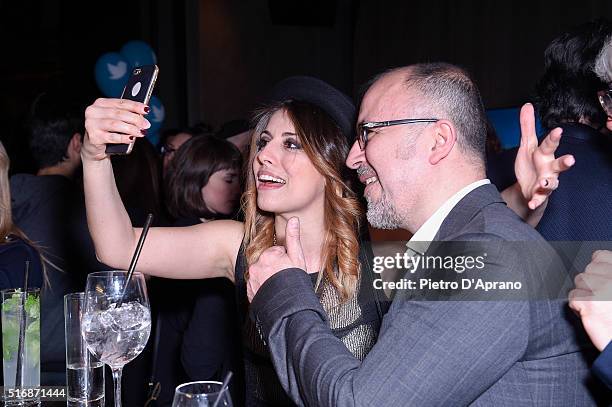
{"type": "Point", "coordinates": [444, 139]}
{"type": "Point", "coordinates": [75, 144]}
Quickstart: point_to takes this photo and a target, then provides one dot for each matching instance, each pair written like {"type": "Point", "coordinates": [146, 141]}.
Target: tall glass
{"type": "Point", "coordinates": [116, 335]}
{"type": "Point", "coordinates": [20, 310]}
{"type": "Point", "coordinates": [84, 372]}
{"type": "Point", "coordinates": [202, 394]}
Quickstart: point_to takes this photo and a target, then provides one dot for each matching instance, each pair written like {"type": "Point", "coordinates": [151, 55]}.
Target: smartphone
{"type": "Point", "coordinates": [139, 88]}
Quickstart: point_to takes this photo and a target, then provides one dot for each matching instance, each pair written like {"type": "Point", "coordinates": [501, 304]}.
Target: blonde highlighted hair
{"type": "Point", "coordinates": [7, 227]}
{"type": "Point", "coordinates": [6, 218]}
{"type": "Point", "coordinates": [327, 148]}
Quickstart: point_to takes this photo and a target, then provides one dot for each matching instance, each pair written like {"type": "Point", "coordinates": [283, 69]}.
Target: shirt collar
{"type": "Point", "coordinates": [422, 238]}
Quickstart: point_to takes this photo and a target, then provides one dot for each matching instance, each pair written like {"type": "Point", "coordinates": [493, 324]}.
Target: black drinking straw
{"type": "Point", "coordinates": [22, 329]}
{"type": "Point", "coordinates": [143, 235]}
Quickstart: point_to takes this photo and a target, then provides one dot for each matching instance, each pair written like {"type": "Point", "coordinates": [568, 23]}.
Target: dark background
{"type": "Point", "coordinates": [217, 56]}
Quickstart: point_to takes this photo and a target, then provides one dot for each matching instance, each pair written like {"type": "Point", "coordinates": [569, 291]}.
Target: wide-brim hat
{"type": "Point", "coordinates": [313, 90]}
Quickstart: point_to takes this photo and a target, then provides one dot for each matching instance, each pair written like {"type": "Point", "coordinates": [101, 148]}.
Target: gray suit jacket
{"type": "Point", "coordinates": [495, 351]}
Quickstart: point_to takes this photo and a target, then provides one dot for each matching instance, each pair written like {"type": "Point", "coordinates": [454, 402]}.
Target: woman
{"type": "Point", "coordinates": [286, 180]}
{"type": "Point", "coordinates": [296, 168]}
{"type": "Point", "coordinates": [15, 247]}
{"type": "Point", "coordinates": [200, 339]}
{"type": "Point", "coordinates": [203, 183]}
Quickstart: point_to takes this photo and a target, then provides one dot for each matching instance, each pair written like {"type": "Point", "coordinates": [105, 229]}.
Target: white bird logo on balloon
{"type": "Point", "coordinates": [117, 71]}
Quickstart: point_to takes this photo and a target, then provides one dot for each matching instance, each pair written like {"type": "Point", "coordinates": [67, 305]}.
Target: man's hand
{"type": "Point", "coordinates": [592, 298]}
{"type": "Point", "coordinates": [277, 258]}
{"type": "Point", "coordinates": [537, 170]}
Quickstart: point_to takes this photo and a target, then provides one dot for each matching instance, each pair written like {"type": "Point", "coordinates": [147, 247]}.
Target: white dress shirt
{"type": "Point", "coordinates": [421, 239]}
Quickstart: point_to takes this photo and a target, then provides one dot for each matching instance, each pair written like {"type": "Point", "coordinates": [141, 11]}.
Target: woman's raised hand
{"type": "Point", "coordinates": [112, 121]}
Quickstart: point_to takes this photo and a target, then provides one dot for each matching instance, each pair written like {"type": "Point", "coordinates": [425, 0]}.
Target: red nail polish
{"type": "Point", "coordinates": [147, 109]}
{"type": "Point", "coordinates": [132, 138]}
{"type": "Point", "coordinates": [144, 132]}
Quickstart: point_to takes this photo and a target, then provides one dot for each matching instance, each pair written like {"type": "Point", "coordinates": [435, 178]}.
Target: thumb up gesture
{"type": "Point", "coordinates": [277, 258]}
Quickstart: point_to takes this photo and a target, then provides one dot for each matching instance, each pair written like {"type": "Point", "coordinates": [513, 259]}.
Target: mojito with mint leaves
{"type": "Point", "coordinates": [14, 303]}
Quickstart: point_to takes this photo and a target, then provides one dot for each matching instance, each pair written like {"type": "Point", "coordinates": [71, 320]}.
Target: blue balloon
{"type": "Point", "coordinates": [156, 116]}
{"type": "Point", "coordinates": [153, 139]}
{"type": "Point", "coordinates": [111, 73]}
{"type": "Point", "coordinates": [138, 53]}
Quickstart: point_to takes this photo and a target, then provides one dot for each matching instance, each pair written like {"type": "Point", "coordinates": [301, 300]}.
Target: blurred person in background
{"type": "Point", "coordinates": [592, 297]}
{"type": "Point", "coordinates": [170, 141]}
{"type": "Point", "coordinates": [15, 247]}
{"type": "Point", "coordinates": [201, 128]}
{"type": "Point", "coordinates": [566, 96]}
{"type": "Point", "coordinates": [197, 335]}
{"type": "Point", "coordinates": [237, 132]}
{"type": "Point", "coordinates": [48, 207]}
{"type": "Point", "coordinates": [204, 184]}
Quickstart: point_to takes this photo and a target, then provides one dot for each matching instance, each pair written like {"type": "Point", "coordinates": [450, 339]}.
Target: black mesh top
{"type": "Point", "coordinates": [356, 323]}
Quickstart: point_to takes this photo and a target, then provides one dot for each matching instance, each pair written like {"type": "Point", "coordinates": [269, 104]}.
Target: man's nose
{"type": "Point", "coordinates": [356, 156]}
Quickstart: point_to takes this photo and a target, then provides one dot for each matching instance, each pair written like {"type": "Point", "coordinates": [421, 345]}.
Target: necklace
{"type": "Point", "coordinates": [274, 239]}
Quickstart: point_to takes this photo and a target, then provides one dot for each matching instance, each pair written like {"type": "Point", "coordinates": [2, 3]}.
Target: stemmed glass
{"type": "Point", "coordinates": [116, 335]}
{"type": "Point", "coordinates": [202, 394]}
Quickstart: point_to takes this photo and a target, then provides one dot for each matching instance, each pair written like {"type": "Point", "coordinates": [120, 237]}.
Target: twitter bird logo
{"type": "Point", "coordinates": [118, 70]}
{"type": "Point", "coordinates": [111, 73]}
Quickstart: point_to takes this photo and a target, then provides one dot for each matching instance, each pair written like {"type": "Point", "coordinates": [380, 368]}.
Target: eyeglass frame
{"type": "Point", "coordinates": [364, 127]}
{"type": "Point", "coordinates": [167, 150]}
{"type": "Point", "coordinates": [601, 95]}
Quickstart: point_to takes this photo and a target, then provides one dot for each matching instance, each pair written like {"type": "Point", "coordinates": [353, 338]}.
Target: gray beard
{"type": "Point", "coordinates": [382, 214]}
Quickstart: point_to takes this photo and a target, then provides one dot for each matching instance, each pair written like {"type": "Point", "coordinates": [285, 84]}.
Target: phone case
{"type": "Point", "coordinates": [139, 88]}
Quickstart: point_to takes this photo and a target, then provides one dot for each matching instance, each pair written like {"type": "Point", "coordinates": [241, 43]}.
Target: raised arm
{"type": "Point", "coordinates": [207, 250]}
{"type": "Point", "coordinates": [537, 170]}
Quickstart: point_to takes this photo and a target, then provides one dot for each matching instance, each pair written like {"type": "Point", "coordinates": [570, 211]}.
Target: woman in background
{"type": "Point", "coordinates": [203, 184]}
{"type": "Point", "coordinates": [15, 247]}
{"type": "Point", "coordinates": [200, 335]}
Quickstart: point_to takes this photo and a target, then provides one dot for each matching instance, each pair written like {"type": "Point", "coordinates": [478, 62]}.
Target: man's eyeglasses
{"type": "Point", "coordinates": [363, 129]}
{"type": "Point", "coordinates": [167, 150]}
{"type": "Point", "coordinates": [605, 98]}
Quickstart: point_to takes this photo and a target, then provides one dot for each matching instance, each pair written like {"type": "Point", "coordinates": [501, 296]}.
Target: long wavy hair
{"type": "Point", "coordinates": [327, 148]}
{"type": "Point", "coordinates": [7, 227]}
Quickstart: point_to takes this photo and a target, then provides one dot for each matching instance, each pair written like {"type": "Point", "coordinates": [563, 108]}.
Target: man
{"type": "Point", "coordinates": [592, 297]}
{"type": "Point", "coordinates": [46, 206]}
{"type": "Point", "coordinates": [566, 96]}
{"type": "Point", "coordinates": [171, 141]}
{"type": "Point", "coordinates": [421, 155]}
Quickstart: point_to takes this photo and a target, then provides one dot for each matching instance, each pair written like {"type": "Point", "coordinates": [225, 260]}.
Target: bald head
{"type": "Point", "coordinates": [443, 91]}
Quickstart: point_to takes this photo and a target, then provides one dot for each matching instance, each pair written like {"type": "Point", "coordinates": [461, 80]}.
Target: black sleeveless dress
{"type": "Point", "coordinates": [356, 323]}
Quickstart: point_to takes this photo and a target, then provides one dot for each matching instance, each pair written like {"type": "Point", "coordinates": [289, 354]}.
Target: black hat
{"type": "Point", "coordinates": [319, 93]}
